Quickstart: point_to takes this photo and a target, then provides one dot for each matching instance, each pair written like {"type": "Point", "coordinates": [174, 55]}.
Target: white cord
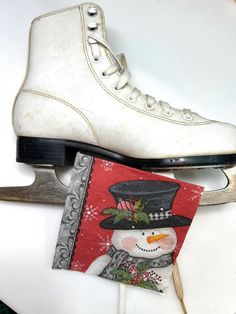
{"type": "Point", "coordinates": [122, 297]}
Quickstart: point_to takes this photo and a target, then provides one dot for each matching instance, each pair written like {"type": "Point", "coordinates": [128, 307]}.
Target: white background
{"type": "Point", "coordinates": [180, 51]}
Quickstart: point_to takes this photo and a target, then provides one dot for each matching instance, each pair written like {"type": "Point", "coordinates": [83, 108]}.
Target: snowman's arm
{"type": "Point", "coordinates": [98, 265]}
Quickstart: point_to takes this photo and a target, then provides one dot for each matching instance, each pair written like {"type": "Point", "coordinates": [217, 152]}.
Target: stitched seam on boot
{"type": "Point", "coordinates": [29, 91]}
{"type": "Point", "coordinates": [82, 21]}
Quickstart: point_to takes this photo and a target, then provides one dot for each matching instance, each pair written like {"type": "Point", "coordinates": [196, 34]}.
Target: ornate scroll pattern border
{"type": "Point", "coordinates": [73, 211]}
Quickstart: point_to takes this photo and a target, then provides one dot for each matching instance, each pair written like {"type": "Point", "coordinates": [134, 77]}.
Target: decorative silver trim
{"type": "Point", "coordinates": [160, 215]}
{"type": "Point", "coordinates": [73, 211]}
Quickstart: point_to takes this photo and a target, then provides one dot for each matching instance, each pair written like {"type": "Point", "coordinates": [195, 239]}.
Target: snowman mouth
{"type": "Point", "coordinates": [146, 250]}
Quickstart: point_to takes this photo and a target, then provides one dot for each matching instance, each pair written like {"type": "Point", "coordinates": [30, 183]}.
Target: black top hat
{"type": "Point", "coordinates": [143, 204]}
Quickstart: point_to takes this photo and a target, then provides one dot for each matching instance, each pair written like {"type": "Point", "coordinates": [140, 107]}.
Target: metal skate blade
{"type": "Point", "coordinates": [220, 196]}
{"type": "Point", "coordinates": [224, 195]}
{"type": "Point", "coordinates": [46, 188]}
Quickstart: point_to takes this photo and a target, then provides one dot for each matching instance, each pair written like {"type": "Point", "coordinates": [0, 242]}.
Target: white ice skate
{"type": "Point", "coordinates": [76, 96]}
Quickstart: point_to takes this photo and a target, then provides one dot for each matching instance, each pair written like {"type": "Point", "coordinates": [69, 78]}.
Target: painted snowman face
{"type": "Point", "coordinates": [148, 243]}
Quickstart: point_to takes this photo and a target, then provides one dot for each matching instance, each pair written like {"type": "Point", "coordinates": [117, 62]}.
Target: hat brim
{"type": "Point", "coordinates": [172, 221]}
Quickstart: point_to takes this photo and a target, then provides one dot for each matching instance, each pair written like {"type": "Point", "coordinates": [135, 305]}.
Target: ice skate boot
{"type": "Point", "coordinates": [76, 96]}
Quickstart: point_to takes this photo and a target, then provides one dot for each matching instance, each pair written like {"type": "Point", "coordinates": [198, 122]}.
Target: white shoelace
{"type": "Point", "coordinates": [120, 66]}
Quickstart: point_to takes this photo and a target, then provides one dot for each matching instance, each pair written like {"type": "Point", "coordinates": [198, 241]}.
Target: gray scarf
{"type": "Point", "coordinates": [120, 256]}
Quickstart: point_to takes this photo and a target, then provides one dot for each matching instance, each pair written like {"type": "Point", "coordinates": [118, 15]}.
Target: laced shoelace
{"type": "Point", "coordinates": [120, 66]}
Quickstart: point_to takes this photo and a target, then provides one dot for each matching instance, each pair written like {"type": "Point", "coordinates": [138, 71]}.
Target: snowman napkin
{"type": "Point", "coordinates": [124, 224]}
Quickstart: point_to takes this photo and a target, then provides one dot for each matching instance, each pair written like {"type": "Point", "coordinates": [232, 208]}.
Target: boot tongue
{"type": "Point", "coordinates": [123, 60]}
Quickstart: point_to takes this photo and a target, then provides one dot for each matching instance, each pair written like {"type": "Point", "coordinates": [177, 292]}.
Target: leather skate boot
{"type": "Point", "coordinates": [76, 96]}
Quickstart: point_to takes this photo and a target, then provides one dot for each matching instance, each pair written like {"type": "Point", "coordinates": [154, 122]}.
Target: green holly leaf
{"type": "Point", "coordinates": [138, 204]}
{"type": "Point", "coordinates": [116, 219]}
{"type": "Point", "coordinates": [119, 216]}
{"type": "Point", "coordinates": [127, 214]}
{"type": "Point", "coordinates": [146, 218]}
{"type": "Point", "coordinates": [143, 267]}
{"type": "Point", "coordinates": [147, 285]}
{"type": "Point", "coordinates": [122, 275]}
{"type": "Point", "coordinates": [136, 218]}
{"type": "Point", "coordinates": [109, 211]}
{"type": "Point", "coordinates": [142, 216]}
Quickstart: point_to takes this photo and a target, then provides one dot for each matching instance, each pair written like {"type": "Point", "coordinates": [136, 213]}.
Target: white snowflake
{"type": "Point", "coordinates": [90, 213]}
{"type": "Point", "coordinates": [107, 165]}
{"type": "Point", "coordinates": [77, 266]}
{"type": "Point", "coordinates": [104, 243]}
{"type": "Point", "coordinates": [196, 194]}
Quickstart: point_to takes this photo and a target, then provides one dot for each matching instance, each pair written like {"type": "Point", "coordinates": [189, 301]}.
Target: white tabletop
{"type": "Point", "coordinates": [179, 51]}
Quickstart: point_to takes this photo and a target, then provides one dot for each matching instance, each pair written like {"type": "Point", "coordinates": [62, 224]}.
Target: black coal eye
{"type": "Point", "coordinates": [153, 232]}
{"type": "Point", "coordinates": [143, 233]}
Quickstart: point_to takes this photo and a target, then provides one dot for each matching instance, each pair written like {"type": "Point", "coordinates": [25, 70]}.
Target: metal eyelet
{"type": "Point", "coordinates": [187, 117]}
{"type": "Point", "coordinates": [96, 60]}
{"type": "Point", "coordinates": [114, 87]}
{"type": "Point", "coordinates": [167, 113]}
{"type": "Point", "coordinates": [92, 26]}
{"type": "Point", "coordinates": [150, 107]}
{"type": "Point", "coordinates": [130, 99]}
{"type": "Point", "coordinates": [92, 11]}
{"type": "Point", "coordinates": [103, 75]}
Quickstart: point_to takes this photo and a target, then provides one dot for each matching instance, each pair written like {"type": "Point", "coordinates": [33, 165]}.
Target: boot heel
{"type": "Point", "coordinates": [31, 150]}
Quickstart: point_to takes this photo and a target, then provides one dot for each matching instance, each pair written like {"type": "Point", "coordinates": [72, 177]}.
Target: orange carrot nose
{"type": "Point", "coordinates": [158, 237]}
